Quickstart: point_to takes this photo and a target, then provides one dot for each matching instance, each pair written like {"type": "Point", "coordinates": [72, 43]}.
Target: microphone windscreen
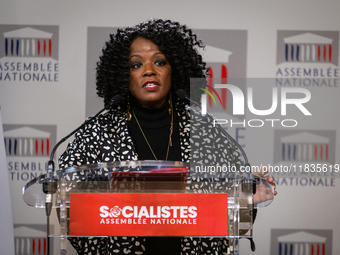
{"type": "Point", "coordinates": [181, 94]}
{"type": "Point", "coordinates": [116, 99]}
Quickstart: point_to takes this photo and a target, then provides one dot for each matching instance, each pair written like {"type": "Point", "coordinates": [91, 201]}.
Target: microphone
{"type": "Point", "coordinates": [184, 96]}
{"type": "Point", "coordinates": [50, 184]}
{"type": "Point", "coordinates": [114, 101]}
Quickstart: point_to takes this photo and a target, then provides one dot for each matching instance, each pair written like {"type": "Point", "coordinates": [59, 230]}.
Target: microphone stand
{"type": "Point", "coordinates": [50, 183]}
{"type": "Point", "coordinates": [183, 95]}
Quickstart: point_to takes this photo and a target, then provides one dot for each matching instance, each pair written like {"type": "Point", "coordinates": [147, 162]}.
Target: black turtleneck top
{"type": "Point", "coordinates": [155, 124]}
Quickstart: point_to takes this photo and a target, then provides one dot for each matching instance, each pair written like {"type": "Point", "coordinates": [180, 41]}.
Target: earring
{"type": "Point", "coordinates": [170, 103]}
{"type": "Point", "coordinates": [128, 114]}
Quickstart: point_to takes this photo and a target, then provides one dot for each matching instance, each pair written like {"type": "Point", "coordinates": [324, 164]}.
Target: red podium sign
{"type": "Point", "coordinates": [148, 214]}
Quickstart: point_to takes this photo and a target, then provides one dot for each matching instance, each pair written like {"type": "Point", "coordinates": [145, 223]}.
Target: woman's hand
{"type": "Point", "coordinates": [262, 193]}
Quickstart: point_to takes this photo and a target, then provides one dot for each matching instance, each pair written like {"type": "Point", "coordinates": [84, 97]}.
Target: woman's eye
{"type": "Point", "coordinates": [160, 62]}
{"type": "Point", "coordinates": [136, 64]}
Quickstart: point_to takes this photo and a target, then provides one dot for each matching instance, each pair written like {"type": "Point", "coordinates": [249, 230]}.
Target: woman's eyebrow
{"type": "Point", "coordinates": [158, 53]}
{"type": "Point", "coordinates": [139, 56]}
{"type": "Point", "coordinates": [135, 55]}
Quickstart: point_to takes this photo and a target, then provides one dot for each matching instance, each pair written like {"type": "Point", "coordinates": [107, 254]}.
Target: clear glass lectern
{"type": "Point", "coordinates": [149, 198]}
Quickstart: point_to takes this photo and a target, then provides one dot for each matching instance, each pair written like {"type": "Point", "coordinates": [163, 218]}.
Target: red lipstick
{"type": "Point", "coordinates": [150, 85]}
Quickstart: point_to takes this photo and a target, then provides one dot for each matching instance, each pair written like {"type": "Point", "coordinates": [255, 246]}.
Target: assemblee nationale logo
{"type": "Point", "coordinates": [307, 58]}
{"type": "Point", "coordinates": [148, 215]}
{"type": "Point", "coordinates": [27, 149]}
{"type": "Point", "coordinates": [30, 54]}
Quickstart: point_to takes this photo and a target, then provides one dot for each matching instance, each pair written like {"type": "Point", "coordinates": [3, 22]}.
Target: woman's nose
{"type": "Point", "coordinates": [149, 70]}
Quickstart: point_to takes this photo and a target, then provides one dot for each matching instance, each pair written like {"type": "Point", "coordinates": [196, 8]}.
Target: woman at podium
{"type": "Point", "coordinates": [145, 64]}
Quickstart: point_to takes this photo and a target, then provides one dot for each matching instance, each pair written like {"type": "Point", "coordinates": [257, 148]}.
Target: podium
{"type": "Point", "coordinates": [149, 198]}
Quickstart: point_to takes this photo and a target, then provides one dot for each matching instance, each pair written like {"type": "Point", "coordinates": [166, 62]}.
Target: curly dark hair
{"type": "Point", "coordinates": [177, 42]}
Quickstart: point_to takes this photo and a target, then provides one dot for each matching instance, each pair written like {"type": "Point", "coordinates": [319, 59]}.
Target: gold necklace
{"type": "Point", "coordinates": [171, 130]}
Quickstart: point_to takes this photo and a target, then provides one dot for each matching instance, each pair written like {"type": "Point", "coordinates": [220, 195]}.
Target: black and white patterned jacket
{"type": "Point", "coordinates": [107, 139]}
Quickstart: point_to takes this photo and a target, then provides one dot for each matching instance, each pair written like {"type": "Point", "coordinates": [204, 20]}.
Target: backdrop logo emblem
{"type": "Point", "coordinates": [307, 54]}
{"type": "Point", "coordinates": [27, 141]}
{"type": "Point", "coordinates": [304, 146]}
{"type": "Point", "coordinates": [213, 55]}
{"type": "Point", "coordinates": [29, 53]}
{"type": "Point", "coordinates": [308, 47]}
{"type": "Point", "coordinates": [28, 149]}
{"type": "Point", "coordinates": [301, 241]}
{"type": "Point", "coordinates": [30, 239]}
{"type": "Point", "coordinates": [225, 55]}
{"type": "Point", "coordinates": [27, 42]}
